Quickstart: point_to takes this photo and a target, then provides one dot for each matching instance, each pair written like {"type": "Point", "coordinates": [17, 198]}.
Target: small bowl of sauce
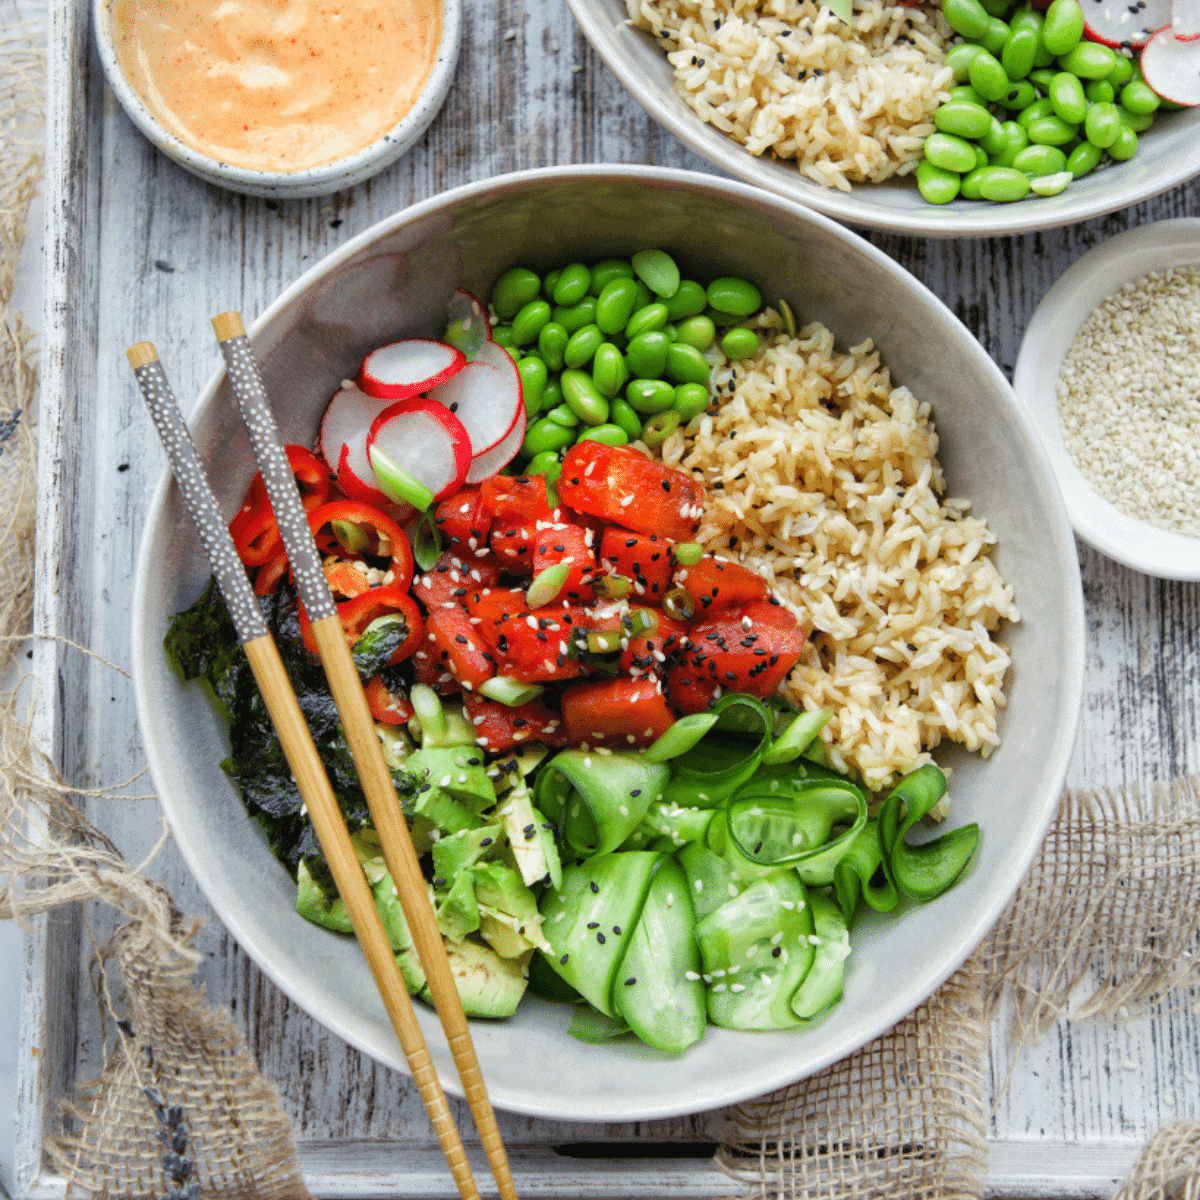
{"type": "Point", "coordinates": [283, 98]}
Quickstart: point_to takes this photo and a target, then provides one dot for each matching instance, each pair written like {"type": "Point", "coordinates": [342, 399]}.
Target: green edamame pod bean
{"type": "Point", "coordinates": [582, 347]}
{"type": "Point", "coordinates": [996, 8]}
{"type": "Point", "coordinates": [959, 59]}
{"type": "Point", "coordinates": [1125, 146]}
{"type": "Point", "coordinates": [549, 284]}
{"type": "Point", "coordinates": [1089, 60]}
{"type": "Point", "coordinates": [691, 399]}
{"type": "Point", "coordinates": [528, 322]}
{"type": "Point", "coordinates": [572, 284]}
{"type": "Point", "coordinates": [740, 343]}
{"type": "Point", "coordinates": [513, 290]}
{"type": "Point", "coordinates": [1062, 27]}
{"type": "Point", "coordinates": [563, 414]}
{"type": "Point", "coordinates": [1003, 184]}
{"type": "Point", "coordinates": [1139, 98]}
{"type": "Point", "coordinates": [689, 301]}
{"type": "Point", "coordinates": [671, 330]}
{"type": "Point", "coordinates": [513, 353]}
{"type": "Point", "coordinates": [981, 158]}
{"type": "Point", "coordinates": [644, 296]}
{"type": "Point", "coordinates": [551, 394]}
{"type": "Point", "coordinates": [1018, 52]}
{"type": "Point", "coordinates": [646, 354]}
{"type": "Point", "coordinates": [697, 331]}
{"type": "Point", "coordinates": [1124, 69]}
{"type": "Point", "coordinates": [1018, 139]}
{"type": "Point", "coordinates": [1040, 160]}
{"type": "Point", "coordinates": [997, 35]}
{"type": "Point", "coordinates": [577, 316]}
{"type": "Point", "coordinates": [949, 152]}
{"type": "Point", "coordinates": [657, 270]}
{"type": "Point", "coordinates": [685, 364]}
{"type": "Point", "coordinates": [624, 416]}
{"type": "Point", "coordinates": [650, 395]}
{"type": "Point", "coordinates": [1043, 58]}
{"type": "Point", "coordinates": [996, 138]}
{"type": "Point", "coordinates": [965, 92]}
{"type": "Point", "coordinates": [1019, 96]}
{"type": "Point", "coordinates": [584, 400]}
{"type": "Point", "coordinates": [502, 336]}
{"type": "Point", "coordinates": [653, 316]}
{"type": "Point", "coordinates": [609, 435]}
{"type": "Point", "coordinates": [1051, 185]}
{"type": "Point", "coordinates": [1066, 94]}
{"type": "Point", "coordinates": [1100, 91]}
{"type": "Point", "coordinates": [609, 372]}
{"type": "Point", "coordinates": [970, 185]}
{"type": "Point", "coordinates": [1084, 159]}
{"type": "Point", "coordinates": [967, 17]}
{"type": "Point", "coordinates": [963, 119]}
{"type": "Point", "coordinates": [548, 463]}
{"type": "Point", "coordinates": [659, 428]}
{"type": "Point", "coordinates": [1102, 125]}
{"type": "Point", "coordinates": [987, 76]}
{"type": "Point", "coordinates": [533, 382]}
{"type": "Point", "coordinates": [1026, 18]}
{"type": "Point", "coordinates": [737, 297]}
{"type": "Point", "coordinates": [546, 435]}
{"type": "Point", "coordinates": [552, 341]}
{"type": "Point", "coordinates": [1138, 122]}
{"type": "Point", "coordinates": [1041, 79]}
{"type": "Point", "coordinates": [603, 273]}
{"type": "Point", "coordinates": [616, 304]}
{"type": "Point", "coordinates": [937, 185]}
{"type": "Point", "coordinates": [1050, 131]}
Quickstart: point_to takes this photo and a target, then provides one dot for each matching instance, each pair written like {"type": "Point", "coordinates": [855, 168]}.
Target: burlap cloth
{"type": "Point", "coordinates": [181, 1109]}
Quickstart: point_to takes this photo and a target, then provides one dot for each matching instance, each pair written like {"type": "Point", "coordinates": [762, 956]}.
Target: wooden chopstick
{"type": "Point", "coordinates": [301, 752]}
{"type": "Point", "coordinates": [347, 691]}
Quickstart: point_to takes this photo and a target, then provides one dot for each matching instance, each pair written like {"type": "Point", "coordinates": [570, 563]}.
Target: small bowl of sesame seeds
{"type": "Point", "coordinates": [1109, 370]}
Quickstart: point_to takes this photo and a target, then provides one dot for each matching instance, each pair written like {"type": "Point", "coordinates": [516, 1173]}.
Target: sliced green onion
{"type": "Point", "coordinates": [681, 737]}
{"type": "Point", "coordinates": [427, 547]}
{"type": "Point", "coordinates": [797, 737]}
{"type": "Point", "coordinates": [679, 605]}
{"type": "Point", "coordinates": [789, 318]}
{"type": "Point", "coordinates": [611, 587]}
{"type": "Point", "coordinates": [643, 622]}
{"type": "Point", "coordinates": [428, 708]}
{"type": "Point", "coordinates": [504, 689]}
{"type": "Point", "coordinates": [603, 641]}
{"type": "Point", "coordinates": [352, 538]}
{"type": "Point", "coordinates": [687, 554]}
{"type": "Point", "coordinates": [545, 588]}
{"type": "Point", "coordinates": [397, 484]}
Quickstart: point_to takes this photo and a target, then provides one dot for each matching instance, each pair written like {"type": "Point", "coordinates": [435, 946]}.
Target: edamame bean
{"type": "Point", "coordinates": [644, 296]}
{"type": "Point", "coordinates": [1099, 91]}
{"type": "Point", "coordinates": [513, 290]}
{"type": "Point", "coordinates": [1040, 160]}
{"type": "Point", "coordinates": [997, 35]}
{"type": "Point", "coordinates": [1083, 159]}
{"type": "Point", "coordinates": [949, 152]}
{"type": "Point", "coordinates": [1041, 79]}
{"type": "Point", "coordinates": [1125, 146]}
{"type": "Point", "coordinates": [970, 185]}
{"type": "Point", "coordinates": [1018, 139]}
{"type": "Point", "coordinates": [547, 463]}
{"type": "Point", "coordinates": [1062, 27]}
{"type": "Point", "coordinates": [659, 428]}
{"type": "Point", "coordinates": [995, 8]}
{"type": "Point", "coordinates": [528, 322]}
{"type": "Point", "coordinates": [552, 341]}
{"type": "Point", "coordinates": [689, 301]}
{"type": "Point", "coordinates": [1138, 122]}
{"type": "Point", "coordinates": [685, 364]}
{"type": "Point", "coordinates": [1021, 95]}
{"type": "Point", "coordinates": [1102, 125]}
{"type": "Point", "coordinates": [549, 284]}
{"type": "Point", "coordinates": [616, 304]}
{"type": "Point", "coordinates": [609, 372]}
{"type": "Point", "coordinates": [1003, 184]}
{"type": "Point", "coordinates": [1050, 131]}
{"type": "Point", "coordinates": [533, 382]}
{"type": "Point", "coordinates": [1018, 52]}
{"type": "Point", "coordinates": [657, 270]}
{"type": "Point", "coordinates": [582, 397]}
{"type": "Point", "coordinates": [546, 435]}
{"type": "Point", "coordinates": [582, 347]}
{"type": "Point", "coordinates": [698, 331]}
{"type": "Point", "coordinates": [572, 284]}
{"type": "Point", "coordinates": [937, 185]}
{"type": "Point", "coordinates": [739, 343]}
{"type": "Point", "coordinates": [691, 399]}
{"type": "Point", "coordinates": [737, 297]}
{"type": "Point", "coordinates": [1051, 185]}
{"type": "Point", "coordinates": [996, 138]}
{"type": "Point", "coordinates": [1124, 69]}
{"type": "Point", "coordinates": [603, 273]}
{"type": "Point", "coordinates": [646, 355]}
{"type": "Point", "coordinates": [513, 353]}
{"type": "Point", "coordinates": [1139, 98]}
{"type": "Point", "coordinates": [650, 395]}
{"type": "Point", "coordinates": [609, 435]}
{"type": "Point", "coordinates": [963, 119]}
{"type": "Point", "coordinates": [959, 59]}
{"type": "Point", "coordinates": [967, 17]}
{"type": "Point", "coordinates": [1089, 60]}
{"type": "Point", "coordinates": [987, 76]}
{"type": "Point", "coordinates": [671, 330]}
{"type": "Point", "coordinates": [502, 335]}
{"type": "Point", "coordinates": [624, 416]}
{"type": "Point", "coordinates": [1066, 94]}
{"type": "Point", "coordinates": [563, 414]}
{"type": "Point", "coordinates": [653, 316]}
{"type": "Point", "coordinates": [966, 92]}
{"type": "Point", "coordinates": [1027, 18]}
{"type": "Point", "coordinates": [551, 394]}
{"type": "Point", "coordinates": [577, 316]}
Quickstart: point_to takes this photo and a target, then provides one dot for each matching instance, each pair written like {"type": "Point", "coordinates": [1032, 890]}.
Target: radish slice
{"type": "Point", "coordinates": [1111, 22]}
{"type": "Point", "coordinates": [343, 442]}
{"type": "Point", "coordinates": [409, 368]}
{"type": "Point", "coordinates": [485, 398]}
{"type": "Point", "coordinates": [1185, 20]}
{"type": "Point", "coordinates": [1171, 66]}
{"type": "Point", "coordinates": [467, 327]}
{"type": "Point", "coordinates": [418, 442]}
{"type": "Point", "coordinates": [485, 465]}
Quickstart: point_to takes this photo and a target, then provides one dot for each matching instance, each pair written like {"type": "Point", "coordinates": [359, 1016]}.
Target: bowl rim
{"type": "Point", "coordinates": [1079, 290]}
{"type": "Point", "coordinates": [1057, 754]}
{"type": "Point", "coordinates": [966, 220]}
{"type": "Point", "coordinates": [309, 181]}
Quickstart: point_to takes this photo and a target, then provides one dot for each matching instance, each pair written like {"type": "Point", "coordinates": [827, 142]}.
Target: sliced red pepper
{"type": "Point", "coordinates": [733, 652]}
{"type": "Point", "coordinates": [392, 708]}
{"type": "Point", "coordinates": [452, 641]}
{"type": "Point", "coordinates": [254, 532]}
{"type": "Point", "coordinates": [714, 583]}
{"type": "Point", "coordinates": [453, 578]}
{"type": "Point", "coordinates": [311, 474]}
{"type": "Point", "coordinates": [387, 539]}
{"type": "Point", "coordinates": [628, 489]}
{"type": "Point", "coordinates": [512, 545]}
{"type": "Point", "coordinates": [270, 574]}
{"type": "Point", "coordinates": [463, 520]}
{"type": "Point", "coordinates": [515, 498]}
{"type": "Point", "coordinates": [561, 542]}
{"type": "Point", "coordinates": [643, 559]}
{"type": "Point", "coordinates": [358, 613]}
{"type": "Point", "coordinates": [499, 727]}
{"type": "Point", "coordinates": [616, 713]}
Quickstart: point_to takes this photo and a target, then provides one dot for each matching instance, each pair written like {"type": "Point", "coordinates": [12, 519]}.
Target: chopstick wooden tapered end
{"type": "Point", "coordinates": [228, 325]}
{"type": "Point", "coordinates": [141, 354]}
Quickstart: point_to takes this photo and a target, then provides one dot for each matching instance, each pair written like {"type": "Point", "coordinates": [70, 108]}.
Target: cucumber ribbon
{"type": "Point", "coordinates": [725, 754]}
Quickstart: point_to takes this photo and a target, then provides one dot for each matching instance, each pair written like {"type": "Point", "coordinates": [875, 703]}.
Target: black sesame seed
{"type": "Point", "coordinates": [631, 981]}
{"type": "Point", "coordinates": [600, 938]}
{"type": "Point", "coordinates": [594, 886]}
{"type": "Point", "coordinates": [562, 962]}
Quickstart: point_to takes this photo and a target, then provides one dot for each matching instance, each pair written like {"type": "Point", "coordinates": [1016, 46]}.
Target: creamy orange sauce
{"type": "Point", "coordinates": [277, 85]}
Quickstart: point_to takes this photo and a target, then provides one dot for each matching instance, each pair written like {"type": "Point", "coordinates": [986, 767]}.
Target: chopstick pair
{"type": "Point", "coordinates": [301, 752]}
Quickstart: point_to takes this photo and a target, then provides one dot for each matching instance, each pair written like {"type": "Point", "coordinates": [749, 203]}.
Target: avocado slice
{"type": "Point", "coordinates": [508, 916]}
{"type": "Point", "coordinates": [531, 838]}
{"type": "Point", "coordinates": [516, 765]}
{"type": "Point", "coordinates": [462, 849]}
{"type": "Point", "coordinates": [454, 787]}
{"type": "Point", "coordinates": [488, 985]}
{"type": "Point", "coordinates": [458, 910]}
{"type": "Point", "coordinates": [396, 928]}
{"type": "Point", "coordinates": [314, 905]}
{"type": "Point", "coordinates": [396, 744]}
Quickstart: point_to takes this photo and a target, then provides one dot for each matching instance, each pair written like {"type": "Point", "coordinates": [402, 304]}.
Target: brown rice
{"type": "Point", "coordinates": [825, 477]}
{"type": "Point", "coordinates": [848, 103]}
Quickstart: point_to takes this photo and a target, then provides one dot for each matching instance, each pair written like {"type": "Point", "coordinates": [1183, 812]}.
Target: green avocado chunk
{"type": "Point", "coordinates": [508, 914]}
{"type": "Point", "coordinates": [396, 928]}
{"type": "Point", "coordinates": [530, 838]}
{"type": "Point", "coordinates": [488, 985]}
{"type": "Point", "coordinates": [458, 910]}
{"type": "Point", "coordinates": [463, 849]}
{"type": "Point", "coordinates": [314, 905]}
{"type": "Point", "coordinates": [454, 787]}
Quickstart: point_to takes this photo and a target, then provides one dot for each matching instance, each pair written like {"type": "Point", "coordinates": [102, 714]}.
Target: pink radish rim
{"type": "Point", "coordinates": [459, 441]}
{"type": "Point", "coordinates": [377, 389]}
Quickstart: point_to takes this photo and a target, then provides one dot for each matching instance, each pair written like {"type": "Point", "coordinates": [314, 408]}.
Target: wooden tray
{"type": "Point", "coordinates": [137, 248]}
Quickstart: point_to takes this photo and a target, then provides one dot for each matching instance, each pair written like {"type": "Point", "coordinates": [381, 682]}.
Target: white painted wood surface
{"type": "Point", "coordinates": [139, 249]}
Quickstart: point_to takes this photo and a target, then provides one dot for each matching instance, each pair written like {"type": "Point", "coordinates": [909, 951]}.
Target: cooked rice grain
{"type": "Point", "coordinates": [848, 103]}
{"type": "Point", "coordinates": [824, 477]}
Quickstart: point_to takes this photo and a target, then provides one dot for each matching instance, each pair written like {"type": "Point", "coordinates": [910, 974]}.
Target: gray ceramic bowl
{"type": "Point", "coordinates": [316, 181]}
{"type": "Point", "coordinates": [1169, 154]}
{"type": "Point", "coordinates": [394, 281]}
